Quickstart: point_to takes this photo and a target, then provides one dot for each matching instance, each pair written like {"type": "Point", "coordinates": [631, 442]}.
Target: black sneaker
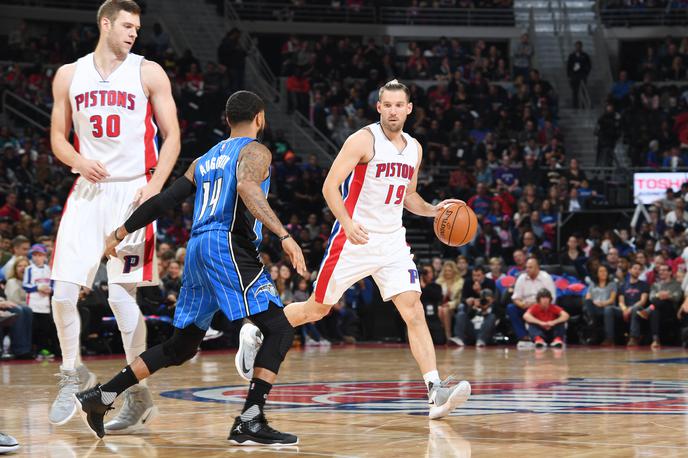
{"type": "Point", "coordinates": [90, 405]}
{"type": "Point", "coordinates": [257, 432]}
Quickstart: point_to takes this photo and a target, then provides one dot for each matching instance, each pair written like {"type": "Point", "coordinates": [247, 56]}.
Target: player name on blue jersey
{"type": "Point", "coordinates": [215, 162]}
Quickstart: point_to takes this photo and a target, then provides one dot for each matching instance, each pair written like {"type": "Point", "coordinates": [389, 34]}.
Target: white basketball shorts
{"type": "Point", "coordinates": [91, 213]}
{"type": "Point", "coordinates": [387, 257]}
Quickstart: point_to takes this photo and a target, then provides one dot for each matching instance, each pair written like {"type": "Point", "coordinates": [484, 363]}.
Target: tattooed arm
{"type": "Point", "coordinates": [253, 168]}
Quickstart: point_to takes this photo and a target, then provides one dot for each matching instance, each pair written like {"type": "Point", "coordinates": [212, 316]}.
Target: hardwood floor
{"type": "Point", "coordinates": [370, 401]}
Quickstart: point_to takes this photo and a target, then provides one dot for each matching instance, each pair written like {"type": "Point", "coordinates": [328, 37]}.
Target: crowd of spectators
{"type": "Point", "coordinates": [663, 60]}
{"type": "Point", "coordinates": [497, 146]}
{"type": "Point", "coordinates": [651, 118]}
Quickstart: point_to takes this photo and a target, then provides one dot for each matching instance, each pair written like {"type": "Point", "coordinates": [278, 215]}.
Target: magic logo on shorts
{"type": "Point", "coordinates": [566, 396]}
{"type": "Point", "coordinates": [268, 288]}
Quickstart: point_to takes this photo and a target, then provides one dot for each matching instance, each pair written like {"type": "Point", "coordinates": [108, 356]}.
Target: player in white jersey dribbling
{"type": "Point", "coordinates": [110, 97]}
{"type": "Point", "coordinates": [377, 170]}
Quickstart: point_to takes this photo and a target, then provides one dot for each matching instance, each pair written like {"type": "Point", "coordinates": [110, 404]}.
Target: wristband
{"type": "Point", "coordinates": [284, 237]}
{"type": "Point", "coordinates": [117, 238]}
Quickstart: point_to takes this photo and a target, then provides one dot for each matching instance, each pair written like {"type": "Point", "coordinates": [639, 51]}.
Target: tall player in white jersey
{"type": "Point", "coordinates": [370, 183]}
{"type": "Point", "coordinates": [110, 97]}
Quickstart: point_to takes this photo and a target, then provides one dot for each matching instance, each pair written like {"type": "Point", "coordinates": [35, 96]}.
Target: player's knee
{"type": "Point", "coordinates": [127, 315]}
{"type": "Point", "coordinates": [182, 346]}
{"type": "Point", "coordinates": [278, 337]}
{"type": "Point", "coordinates": [64, 310]}
{"type": "Point", "coordinates": [414, 315]}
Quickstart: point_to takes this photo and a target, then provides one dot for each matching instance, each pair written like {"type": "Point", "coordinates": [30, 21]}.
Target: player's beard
{"type": "Point", "coordinates": [391, 128]}
{"type": "Point", "coordinates": [259, 134]}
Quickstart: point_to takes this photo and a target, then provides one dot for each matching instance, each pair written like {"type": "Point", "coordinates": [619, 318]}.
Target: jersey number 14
{"type": "Point", "coordinates": [210, 197]}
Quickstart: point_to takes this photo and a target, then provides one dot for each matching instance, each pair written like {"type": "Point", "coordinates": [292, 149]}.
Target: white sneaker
{"type": "Point", "coordinates": [480, 344]}
{"type": "Point", "coordinates": [443, 400]}
{"type": "Point", "coordinates": [8, 443]}
{"type": "Point", "coordinates": [250, 340]}
{"type": "Point", "coordinates": [456, 341]}
{"type": "Point", "coordinates": [525, 345]}
{"type": "Point", "coordinates": [211, 334]}
{"type": "Point", "coordinates": [311, 342]}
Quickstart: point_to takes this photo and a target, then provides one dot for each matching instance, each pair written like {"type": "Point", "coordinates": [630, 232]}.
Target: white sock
{"type": "Point", "coordinates": [431, 377]}
{"type": "Point", "coordinates": [130, 321]}
{"type": "Point", "coordinates": [67, 322]}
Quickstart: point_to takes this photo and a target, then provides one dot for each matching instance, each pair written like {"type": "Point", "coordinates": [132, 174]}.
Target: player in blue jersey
{"type": "Point", "coordinates": [222, 270]}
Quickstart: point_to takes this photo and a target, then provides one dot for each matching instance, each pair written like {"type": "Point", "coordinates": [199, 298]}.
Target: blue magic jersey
{"type": "Point", "coordinates": [218, 206]}
{"type": "Point", "coordinates": [223, 268]}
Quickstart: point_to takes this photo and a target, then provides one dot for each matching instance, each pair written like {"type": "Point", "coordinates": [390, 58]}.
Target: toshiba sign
{"type": "Point", "coordinates": [650, 187]}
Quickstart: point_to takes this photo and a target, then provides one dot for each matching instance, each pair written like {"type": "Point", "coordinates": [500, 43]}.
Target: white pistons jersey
{"type": "Point", "coordinates": [113, 119]}
{"type": "Point", "coordinates": [374, 192]}
{"type": "Point", "coordinates": [374, 197]}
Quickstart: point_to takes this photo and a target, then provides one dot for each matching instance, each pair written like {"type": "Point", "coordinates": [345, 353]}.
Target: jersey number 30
{"type": "Point", "coordinates": [210, 197]}
{"type": "Point", "coordinates": [111, 126]}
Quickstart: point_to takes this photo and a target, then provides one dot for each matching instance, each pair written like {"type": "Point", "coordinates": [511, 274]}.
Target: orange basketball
{"type": "Point", "coordinates": [456, 225]}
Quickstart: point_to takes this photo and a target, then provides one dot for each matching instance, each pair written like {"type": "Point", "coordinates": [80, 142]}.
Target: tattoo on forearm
{"type": "Point", "coordinates": [254, 162]}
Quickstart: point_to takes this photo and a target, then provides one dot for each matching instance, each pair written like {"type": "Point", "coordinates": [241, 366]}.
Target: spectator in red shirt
{"type": "Point", "coordinates": [10, 208]}
{"type": "Point", "coordinates": [546, 321]}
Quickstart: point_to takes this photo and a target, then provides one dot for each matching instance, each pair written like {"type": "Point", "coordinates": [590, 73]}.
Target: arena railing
{"type": "Point", "coordinates": [68, 4]}
{"type": "Point", "coordinates": [15, 105]}
{"type": "Point", "coordinates": [447, 16]}
{"type": "Point", "coordinates": [622, 17]}
{"type": "Point", "coordinates": [273, 11]}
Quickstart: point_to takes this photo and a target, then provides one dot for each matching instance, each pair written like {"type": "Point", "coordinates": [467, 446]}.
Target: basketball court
{"type": "Point", "coordinates": [367, 400]}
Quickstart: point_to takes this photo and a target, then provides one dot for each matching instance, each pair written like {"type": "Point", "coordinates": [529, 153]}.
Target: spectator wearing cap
{"type": "Point", "coordinates": [600, 303]}
{"type": "Point", "coordinates": [20, 247]}
{"type": "Point", "coordinates": [524, 296]}
{"type": "Point", "coordinates": [476, 323]}
{"type": "Point", "coordinates": [37, 283]}
{"type": "Point", "coordinates": [546, 321]}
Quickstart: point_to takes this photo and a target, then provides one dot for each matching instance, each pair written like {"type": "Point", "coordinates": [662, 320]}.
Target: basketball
{"type": "Point", "coordinates": [456, 224]}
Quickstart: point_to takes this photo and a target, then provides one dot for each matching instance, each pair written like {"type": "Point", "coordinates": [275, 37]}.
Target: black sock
{"type": "Point", "coordinates": [257, 394]}
{"type": "Point", "coordinates": [120, 382]}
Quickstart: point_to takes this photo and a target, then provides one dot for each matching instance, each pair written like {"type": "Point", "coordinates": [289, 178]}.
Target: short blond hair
{"type": "Point", "coordinates": [394, 85]}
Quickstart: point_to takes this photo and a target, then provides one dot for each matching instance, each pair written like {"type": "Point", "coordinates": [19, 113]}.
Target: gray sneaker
{"type": "Point", "coordinates": [87, 379]}
{"type": "Point", "coordinates": [444, 399]}
{"type": "Point", "coordinates": [136, 412]}
{"type": "Point", "coordinates": [64, 407]}
{"type": "Point", "coordinates": [8, 443]}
